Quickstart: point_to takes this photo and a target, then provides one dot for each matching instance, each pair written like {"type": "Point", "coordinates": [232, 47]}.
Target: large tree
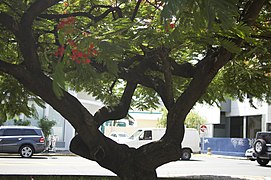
{"type": "Point", "coordinates": [131, 54]}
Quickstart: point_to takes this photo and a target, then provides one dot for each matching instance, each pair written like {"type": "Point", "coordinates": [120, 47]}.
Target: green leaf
{"type": "Point", "coordinates": [58, 79]}
{"type": "Point", "coordinates": [230, 46]}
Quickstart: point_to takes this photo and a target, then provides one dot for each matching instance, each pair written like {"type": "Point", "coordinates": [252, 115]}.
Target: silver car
{"type": "Point", "coordinates": [25, 140]}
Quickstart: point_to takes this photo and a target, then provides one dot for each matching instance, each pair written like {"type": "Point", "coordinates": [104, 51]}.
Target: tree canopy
{"type": "Point", "coordinates": [131, 54]}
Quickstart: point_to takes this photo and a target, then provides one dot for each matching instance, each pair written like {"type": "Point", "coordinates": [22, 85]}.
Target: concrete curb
{"type": "Point", "coordinates": [57, 153]}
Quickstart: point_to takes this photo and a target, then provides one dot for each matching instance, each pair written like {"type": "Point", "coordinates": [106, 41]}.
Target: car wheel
{"type": "Point", "coordinates": [186, 154]}
{"type": "Point", "coordinates": [260, 146]}
{"type": "Point", "coordinates": [26, 151]}
{"type": "Point", "coordinates": [262, 162]}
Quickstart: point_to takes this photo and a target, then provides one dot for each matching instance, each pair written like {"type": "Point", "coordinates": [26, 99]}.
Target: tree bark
{"type": "Point", "coordinates": [130, 163]}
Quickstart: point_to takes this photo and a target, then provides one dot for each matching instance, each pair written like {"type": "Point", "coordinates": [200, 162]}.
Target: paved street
{"type": "Point", "coordinates": [74, 165]}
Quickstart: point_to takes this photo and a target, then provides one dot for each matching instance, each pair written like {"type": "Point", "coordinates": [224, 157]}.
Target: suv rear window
{"type": "Point", "coordinates": [264, 136]}
{"type": "Point", "coordinates": [18, 132]}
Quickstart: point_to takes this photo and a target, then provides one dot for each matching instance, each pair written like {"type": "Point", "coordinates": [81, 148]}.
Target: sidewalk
{"type": "Point", "coordinates": [57, 153]}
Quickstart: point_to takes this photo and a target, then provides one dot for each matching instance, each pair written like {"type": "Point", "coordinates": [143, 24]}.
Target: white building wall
{"type": "Point", "coordinates": [69, 134]}
{"type": "Point", "coordinates": [245, 109]}
{"type": "Point", "coordinates": [268, 114]}
{"type": "Point", "coordinates": [210, 113]}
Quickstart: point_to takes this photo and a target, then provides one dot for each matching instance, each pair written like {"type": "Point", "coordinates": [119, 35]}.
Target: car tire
{"type": "Point", "coordinates": [260, 146]}
{"type": "Point", "coordinates": [26, 151]}
{"type": "Point", "coordinates": [186, 154]}
{"type": "Point", "coordinates": [262, 162]}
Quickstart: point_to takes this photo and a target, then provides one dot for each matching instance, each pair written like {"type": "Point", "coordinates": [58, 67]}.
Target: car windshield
{"type": "Point", "coordinates": [137, 133]}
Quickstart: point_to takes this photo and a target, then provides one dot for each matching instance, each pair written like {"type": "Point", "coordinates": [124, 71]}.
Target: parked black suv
{"type": "Point", "coordinates": [262, 147]}
{"type": "Point", "coordinates": [25, 140]}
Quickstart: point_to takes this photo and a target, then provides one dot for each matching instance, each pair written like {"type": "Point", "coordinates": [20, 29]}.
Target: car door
{"type": "Point", "coordinates": [1, 137]}
{"type": "Point", "coordinates": [10, 140]}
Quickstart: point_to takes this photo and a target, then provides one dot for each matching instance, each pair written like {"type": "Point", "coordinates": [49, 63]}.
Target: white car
{"type": "Point", "coordinates": [249, 154]}
{"type": "Point", "coordinates": [119, 137]}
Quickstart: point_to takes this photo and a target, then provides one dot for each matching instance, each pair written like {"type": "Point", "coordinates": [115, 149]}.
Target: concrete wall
{"type": "Point", "coordinates": [227, 146]}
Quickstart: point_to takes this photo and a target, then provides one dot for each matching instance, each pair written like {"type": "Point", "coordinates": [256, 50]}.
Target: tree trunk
{"type": "Point", "coordinates": [130, 163]}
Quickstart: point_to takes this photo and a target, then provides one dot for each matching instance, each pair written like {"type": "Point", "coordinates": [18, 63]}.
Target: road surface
{"type": "Point", "coordinates": [74, 165]}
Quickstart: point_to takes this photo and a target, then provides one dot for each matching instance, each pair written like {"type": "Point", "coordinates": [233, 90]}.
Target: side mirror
{"type": "Point", "coordinates": [141, 137]}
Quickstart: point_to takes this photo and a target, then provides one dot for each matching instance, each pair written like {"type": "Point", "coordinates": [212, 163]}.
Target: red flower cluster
{"type": "Point", "coordinates": [80, 57]}
{"type": "Point", "coordinates": [66, 21]}
{"type": "Point", "coordinates": [60, 51]}
{"type": "Point", "coordinates": [76, 55]}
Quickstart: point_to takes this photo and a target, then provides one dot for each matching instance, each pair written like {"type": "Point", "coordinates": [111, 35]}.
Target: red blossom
{"type": "Point", "coordinates": [91, 46]}
{"type": "Point", "coordinates": [87, 61]}
{"type": "Point", "coordinates": [77, 55]}
{"type": "Point", "coordinates": [72, 43]}
{"type": "Point", "coordinates": [94, 52]}
{"type": "Point", "coordinates": [172, 25]}
{"type": "Point", "coordinates": [66, 21]}
{"type": "Point", "coordinates": [60, 51]}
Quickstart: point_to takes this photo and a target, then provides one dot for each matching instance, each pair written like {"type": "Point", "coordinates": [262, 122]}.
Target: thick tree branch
{"type": "Point", "coordinates": [41, 85]}
{"type": "Point", "coordinates": [68, 106]}
{"type": "Point", "coordinates": [185, 70]}
{"type": "Point", "coordinates": [169, 97]}
{"type": "Point", "coordinates": [35, 10]}
{"type": "Point", "coordinates": [136, 10]}
{"type": "Point", "coordinates": [119, 111]}
{"type": "Point", "coordinates": [262, 36]}
{"type": "Point", "coordinates": [253, 12]}
{"type": "Point", "coordinates": [8, 22]}
{"type": "Point", "coordinates": [83, 14]}
{"type": "Point", "coordinates": [27, 42]}
{"type": "Point", "coordinates": [134, 70]}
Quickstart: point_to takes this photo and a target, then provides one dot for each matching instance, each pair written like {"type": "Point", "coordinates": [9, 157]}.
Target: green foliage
{"type": "Point", "coordinates": [199, 26]}
{"type": "Point", "coordinates": [58, 79]}
{"type": "Point", "coordinates": [14, 99]}
{"type": "Point", "coordinates": [21, 122]}
{"type": "Point", "coordinates": [193, 119]}
{"type": "Point", "coordinates": [162, 122]}
{"type": "Point", "coordinates": [46, 125]}
{"type": "Point", "coordinates": [145, 98]}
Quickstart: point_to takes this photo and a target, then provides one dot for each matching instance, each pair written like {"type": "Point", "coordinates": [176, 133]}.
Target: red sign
{"type": "Point", "coordinates": [203, 128]}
